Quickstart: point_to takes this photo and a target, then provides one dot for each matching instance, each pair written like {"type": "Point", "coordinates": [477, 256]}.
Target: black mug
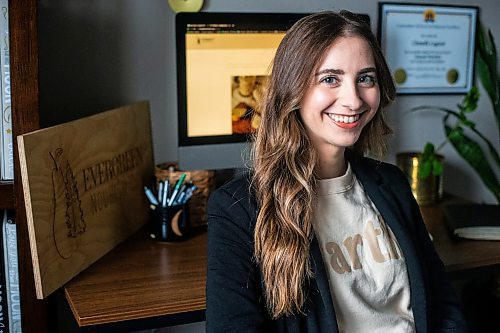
{"type": "Point", "coordinates": [169, 223]}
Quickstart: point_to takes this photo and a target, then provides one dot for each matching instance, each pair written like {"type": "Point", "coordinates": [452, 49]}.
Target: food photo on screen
{"type": "Point", "coordinates": [246, 92]}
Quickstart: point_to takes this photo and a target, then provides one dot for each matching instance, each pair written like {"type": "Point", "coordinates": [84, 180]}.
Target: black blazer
{"type": "Point", "coordinates": [235, 299]}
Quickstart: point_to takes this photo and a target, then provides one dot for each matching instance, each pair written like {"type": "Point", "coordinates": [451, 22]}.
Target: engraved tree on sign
{"type": "Point", "coordinates": [65, 194]}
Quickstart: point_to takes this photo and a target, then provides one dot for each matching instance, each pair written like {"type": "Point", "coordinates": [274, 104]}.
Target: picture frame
{"type": "Point", "coordinates": [425, 48]}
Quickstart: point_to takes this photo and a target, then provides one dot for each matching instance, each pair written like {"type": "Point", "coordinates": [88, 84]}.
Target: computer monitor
{"type": "Point", "coordinates": [223, 60]}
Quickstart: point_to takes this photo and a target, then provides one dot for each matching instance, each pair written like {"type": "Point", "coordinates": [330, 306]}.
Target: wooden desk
{"type": "Point", "coordinates": [143, 278]}
{"type": "Point", "coordinates": [458, 254]}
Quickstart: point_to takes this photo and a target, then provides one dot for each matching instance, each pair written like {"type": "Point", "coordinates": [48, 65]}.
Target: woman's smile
{"type": "Point", "coordinates": [345, 121]}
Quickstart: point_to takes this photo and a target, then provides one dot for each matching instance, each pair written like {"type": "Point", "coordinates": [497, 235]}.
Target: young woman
{"type": "Point", "coordinates": [318, 238]}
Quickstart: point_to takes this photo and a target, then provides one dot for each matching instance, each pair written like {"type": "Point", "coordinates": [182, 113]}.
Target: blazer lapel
{"type": "Point", "coordinates": [323, 286]}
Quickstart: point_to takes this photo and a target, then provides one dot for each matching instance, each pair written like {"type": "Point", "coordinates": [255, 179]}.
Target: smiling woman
{"type": "Point", "coordinates": [342, 99]}
{"type": "Point", "coordinates": [317, 237]}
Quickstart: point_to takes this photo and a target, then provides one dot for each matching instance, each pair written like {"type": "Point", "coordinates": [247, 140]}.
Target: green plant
{"type": "Point", "coordinates": [458, 133]}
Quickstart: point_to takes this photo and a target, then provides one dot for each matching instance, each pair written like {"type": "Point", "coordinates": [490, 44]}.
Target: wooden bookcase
{"type": "Point", "coordinates": [23, 23]}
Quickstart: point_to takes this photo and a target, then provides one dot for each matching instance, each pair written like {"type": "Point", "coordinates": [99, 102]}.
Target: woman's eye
{"type": "Point", "coordinates": [367, 80]}
{"type": "Point", "coordinates": [329, 80]}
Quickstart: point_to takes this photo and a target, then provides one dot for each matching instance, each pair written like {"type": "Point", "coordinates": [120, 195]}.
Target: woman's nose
{"type": "Point", "coordinates": [350, 97]}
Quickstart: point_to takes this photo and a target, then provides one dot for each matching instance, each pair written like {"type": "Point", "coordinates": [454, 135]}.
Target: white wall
{"type": "Point", "coordinates": [97, 54]}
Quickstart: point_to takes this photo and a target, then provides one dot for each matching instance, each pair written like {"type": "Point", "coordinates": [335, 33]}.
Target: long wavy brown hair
{"type": "Point", "coordinates": [284, 159]}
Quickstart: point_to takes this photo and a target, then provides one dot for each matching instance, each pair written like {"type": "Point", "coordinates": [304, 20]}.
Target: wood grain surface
{"type": "Point", "coordinates": [141, 278]}
{"type": "Point", "coordinates": [83, 189]}
{"type": "Point", "coordinates": [457, 254]}
{"type": "Point", "coordinates": [24, 84]}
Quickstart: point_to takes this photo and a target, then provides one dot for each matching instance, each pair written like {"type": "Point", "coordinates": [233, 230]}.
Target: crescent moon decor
{"type": "Point", "coordinates": [175, 223]}
{"type": "Point", "coordinates": [169, 223]}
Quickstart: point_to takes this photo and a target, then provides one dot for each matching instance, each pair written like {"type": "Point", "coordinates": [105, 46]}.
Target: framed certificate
{"type": "Point", "coordinates": [429, 48]}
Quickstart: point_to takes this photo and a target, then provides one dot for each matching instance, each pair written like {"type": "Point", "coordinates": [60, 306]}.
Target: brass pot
{"type": "Point", "coordinates": [426, 191]}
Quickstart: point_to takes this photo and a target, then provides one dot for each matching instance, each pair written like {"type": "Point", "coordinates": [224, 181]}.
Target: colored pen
{"type": "Point", "coordinates": [179, 194]}
{"type": "Point", "coordinates": [165, 193]}
{"type": "Point", "coordinates": [176, 189]}
{"type": "Point", "coordinates": [180, 200]}
{"type": "Point", "coordinates": [166, 188]}
{"type": "Point", "coordinates": [160, 190]}
{"type": "Point", "coordinates": [188, 194]}
{"type": "Point", "coordinates": [150, 196]}
{"type": "Point", "coordinates": [182, 193]}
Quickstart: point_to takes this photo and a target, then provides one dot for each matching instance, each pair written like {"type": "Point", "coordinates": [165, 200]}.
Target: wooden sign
{"type": "Point", "coordinates": [83, 186]}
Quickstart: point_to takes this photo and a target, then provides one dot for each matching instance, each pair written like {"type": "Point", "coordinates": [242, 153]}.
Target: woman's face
{"type": "Point", "coordinates": [343, 96]}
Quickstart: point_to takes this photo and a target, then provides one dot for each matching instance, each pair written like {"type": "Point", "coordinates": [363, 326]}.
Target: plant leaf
{"type": "Point", "coordinates": [493, 151]}
{"type": "Point", "coordinates": [437, 167]}
{"type": "Point", "coordinates": [469, 103]}
{"type": "Point", "coordinates": [468, 123]}
{"type": "Point", "coordinates": [472, 126]}
{"type": "Point", "coordinates": [424, 169]}
{"type": "Point", "coordinates": [455, 133]}
{"type": "Point", "coordinates": [485, 44]}
{"type": "Point", "coordinates": [428, 150]}
{"type": "Point", "coordinates": [483, 73]}
{"type": "Point", "coordinates": [486, 66]}
{"type": "Point", "coordinates": [472, 153]}
{"type": "Point", "coordinates": [427, 162]}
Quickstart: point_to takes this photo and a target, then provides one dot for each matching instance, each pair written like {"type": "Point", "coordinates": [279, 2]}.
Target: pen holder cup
{"type": "Point", "coordinates": [170, 223]}
{"type": "Point", "coordinates": [203, 179]}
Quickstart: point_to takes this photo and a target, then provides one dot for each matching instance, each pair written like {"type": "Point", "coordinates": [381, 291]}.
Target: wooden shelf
{"type": "Point", "coordinates": [141, 278]}
{"type": "Point", "coordinates": [7, 196]}
{"type": "Point", "coordinates": [23, 37]}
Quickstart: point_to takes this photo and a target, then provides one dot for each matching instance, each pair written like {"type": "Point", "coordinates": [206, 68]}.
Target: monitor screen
{"type": "Point", "coordinates": [223, 60]}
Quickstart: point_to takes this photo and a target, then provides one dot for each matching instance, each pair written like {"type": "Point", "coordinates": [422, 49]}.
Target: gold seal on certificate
{"type": "Point", "coordinates": [400, 76]}
{"type": "Point", "coordinates": [452, 76]}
